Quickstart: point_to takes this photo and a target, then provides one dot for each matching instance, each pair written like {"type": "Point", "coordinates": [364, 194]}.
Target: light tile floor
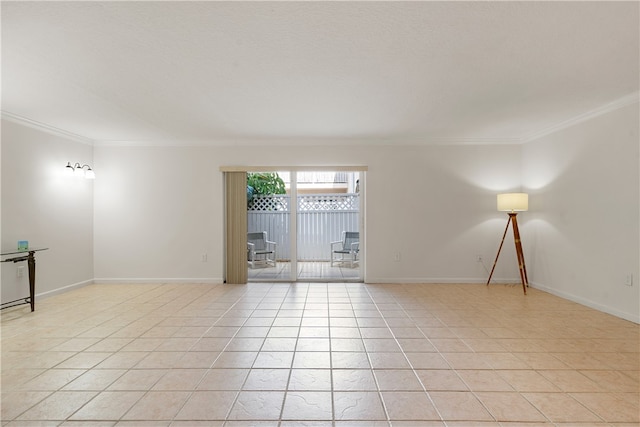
{"type": "Point", "coordinates": [300, 354]}
{"type": "Point", "coordinates": [307, 270]}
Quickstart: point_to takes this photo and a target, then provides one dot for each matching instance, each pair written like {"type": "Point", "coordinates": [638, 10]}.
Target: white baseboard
{"type": "Point", "coordinates": [635, 318]}
{"type": "Point", "coordinates": [64, 289]}
{"type": "Point", "coordinates": [158, 280]}
{"type": "Point", "coordinates": [432, 280]}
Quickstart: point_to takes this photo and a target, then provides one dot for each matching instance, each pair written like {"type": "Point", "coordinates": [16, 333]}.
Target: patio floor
{"type": "Point", "coordinates": [306, 271]}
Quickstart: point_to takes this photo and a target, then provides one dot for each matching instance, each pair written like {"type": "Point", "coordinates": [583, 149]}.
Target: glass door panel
{"type": "Point", "coordinates": [328, 210]}
{"type": "Point", "coordinates": [268, 227]}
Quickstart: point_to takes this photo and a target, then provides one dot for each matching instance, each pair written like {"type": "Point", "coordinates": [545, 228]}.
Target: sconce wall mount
{"type": "Point", "coordinates": [79, 171]}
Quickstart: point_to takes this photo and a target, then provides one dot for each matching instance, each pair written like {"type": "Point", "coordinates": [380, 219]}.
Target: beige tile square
{"type": "Point", "coordinates": [307, 405]}
{"type": "Point", "coordinates": [613, 380]}
{"type": "Point", "coordinates": [76, 344]}
{"type": "Point", "coordinates": [274, 359]}
{"type": "Point", "coordinates": [348, 360]}
{"type": "Point", "coordinates": [503, 361]}
{"type": "Point", "coordinates": [108, 405]}
{"type": "Point", "coordinates": [199, 407]}
{"type": "Point", "coordinates": [58, 406]}
{"type": "Point", "coordinates": [95, 380]}
{"type": "Point", "coordinates": [211, 344]}
{"type": "Point", "coordinates": [345, 333]}
{"type": "Point", "coordinates": [388, 361]}
{"type": "Point", "coordinates": [233, 359]}
{"type": "Point", "coordinates": [612, 407]}
{"type": "Point", "coordinates": [313, 344]}
{"type": "Point", "coordinates": [527, 381]}
{"type": "Point", "coordinates": [310, 380]}
{"type": "Point", "coordinates": [541, 361]}
{"type": "Point", "coordinates": [570, 381]}
{"type": "Point", "coordinates": [409, 406]}
{"type": "Point", "coordinates": [279, 344]}
{"type": "Point", "coordinates": [52, 379]}
{"type": "Point", "coordinates": [353, 380]}
{"type": "Point", "coordinates": [381, 345]}
{"type": "Point", "coordinates": [484, 380]}
{"type": "Point", "coordinates": [506, 406]}
{"type": "Point", "coordinates": [122, 360]}
{"type": "Point", "coordinates": [196, 359]}
{"type": "Point", "coordinates": [15, 403]}
{"type": "Point", "coordinates": [142, 344]}
{"type": "Point", "coordinates": [223, 379]}
{"type": "Point", "coordinates": [40, 360]}
{"type": "Point", "coordinates": [346, 344]}
{"type": "Point", "coordinates": [411, 332]}
{"type": "Point", "coordinates": [84, 360]}
{"type": "Point", "coordinates": [561, 407]}
{"type": "Point", "coordinates": [267, 379]}
{"type": "Point", "coordinates": [441, 380]}
{"type": "Point", "coordinates": [157, 405]}
{"type": "Point", "coordinates": [427, 361]}
{"type": "Point", "coordinates": [177, 344]}
{"type": "Point", "coordinates": [459, 406]}
{"type": "Point", "coordinates": [312, 360]}
{"type": "Point", "coordinates": [180, 379]}
{"type": "Point", "coordinates": [257, 405]}
{"type": "Point", "coordinates": [313, 332]}
{"type": "Point", "coordinates": [416, 345]}
{"type": "Point", "coordinates": [138, 379]}
{"type": "Point", "coordinates": [459, 361]}
{"type": "Point", "coordinates": [450, 345]}
{"type": "Point", "coordinates": [160, 359]}
{"type": "Point", "coordinates": [397, 380]}
{"type": "Point", "coordinates": [109, 345]}
{"type": "Point", "coordinates": [358, 405]}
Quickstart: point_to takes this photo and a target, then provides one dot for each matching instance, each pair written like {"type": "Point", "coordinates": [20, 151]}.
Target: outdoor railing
{"type": "Point", "coordinates": [321, 220]}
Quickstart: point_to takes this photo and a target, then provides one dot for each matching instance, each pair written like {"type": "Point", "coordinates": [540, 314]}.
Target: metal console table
{"type": "Point", "coordinates": [29, 256]}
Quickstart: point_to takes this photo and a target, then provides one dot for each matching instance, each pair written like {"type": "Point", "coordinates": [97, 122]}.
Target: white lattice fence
{"type": "Point", "coordinates": [321, 219]}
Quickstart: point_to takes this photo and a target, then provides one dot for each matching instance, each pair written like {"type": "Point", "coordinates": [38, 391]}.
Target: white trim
{"type": "Point", "coordinates": [45, 128]}
{"type": "Point", "coordinates": [635, 318]}
{"type": "Point", "coordinates": [63, 290]}
{"type": "Point", "coordinates": [159, 281]}
{"type": "Point", "coordinates": [603, 109]}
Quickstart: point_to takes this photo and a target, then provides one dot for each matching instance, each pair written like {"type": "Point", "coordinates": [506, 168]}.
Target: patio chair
{"type": "Point", "coordinates": [260, 250]}
{"type": "Point", "coordinates": [346, 249]}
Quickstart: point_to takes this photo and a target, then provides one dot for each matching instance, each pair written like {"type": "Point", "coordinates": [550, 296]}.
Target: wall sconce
{"type": "Point", "coordinates": [79, 171]}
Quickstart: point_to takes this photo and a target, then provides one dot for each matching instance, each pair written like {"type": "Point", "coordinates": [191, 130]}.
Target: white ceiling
{"type": "Point", "coordinates": [299, 72]}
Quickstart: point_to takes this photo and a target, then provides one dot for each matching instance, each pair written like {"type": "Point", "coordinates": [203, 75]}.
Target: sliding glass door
{"type": "Point", "coordinates": [304, 225]}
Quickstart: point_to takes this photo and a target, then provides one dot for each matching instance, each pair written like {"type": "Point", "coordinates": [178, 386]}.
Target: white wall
{"type": "Point", "coordinates": [158, 209]}
{"type": "Point", "coordinates": [41, 205]}
{"type": "Point", "coordinates": [582, 231]}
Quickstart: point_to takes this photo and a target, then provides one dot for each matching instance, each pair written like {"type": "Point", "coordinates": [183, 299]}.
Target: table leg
{"type": "Point", "coordinates": [31, 261]}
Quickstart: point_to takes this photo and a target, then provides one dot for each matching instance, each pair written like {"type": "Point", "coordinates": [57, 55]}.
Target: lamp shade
{"type": "Point", "coordinates": [513, 202]}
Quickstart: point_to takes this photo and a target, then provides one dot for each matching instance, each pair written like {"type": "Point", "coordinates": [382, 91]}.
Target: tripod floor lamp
{"type": "Point", "coordinates": [512, 203]}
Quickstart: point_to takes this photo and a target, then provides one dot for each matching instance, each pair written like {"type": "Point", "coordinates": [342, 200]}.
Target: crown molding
{"type": "Point", "coordinates": [626, 100]}
{"type": "Point", "coordinates": [45, 128]}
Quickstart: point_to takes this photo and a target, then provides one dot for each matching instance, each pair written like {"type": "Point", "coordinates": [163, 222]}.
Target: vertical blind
{"type": "Point", "coordinates": [236, 228]}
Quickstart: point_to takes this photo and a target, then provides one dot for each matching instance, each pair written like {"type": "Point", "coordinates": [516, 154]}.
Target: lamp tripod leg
{"type": "Point", "coordinates": [521, 265]}
{"type": "Point", "coordinates": [499, 249]}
